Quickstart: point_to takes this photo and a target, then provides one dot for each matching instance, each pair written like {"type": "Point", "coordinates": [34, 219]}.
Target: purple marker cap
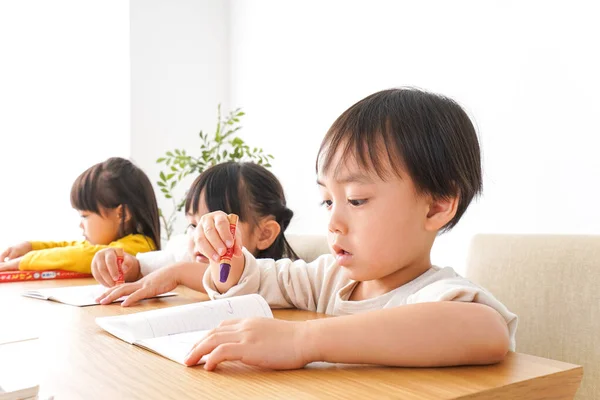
{"type": "Point", "coordinates": [224, 272]}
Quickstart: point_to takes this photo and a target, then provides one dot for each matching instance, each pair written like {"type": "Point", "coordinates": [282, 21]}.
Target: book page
{"type": "Point", "coordinates": [174, 347]}
{"type": "Point", "coordinates": [181, 319]}
{"type": "Point", "coordinates": [76, 295]}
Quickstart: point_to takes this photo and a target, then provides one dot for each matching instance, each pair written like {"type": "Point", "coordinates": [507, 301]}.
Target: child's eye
{"type": "Point", "coordinates": [357, 202]}
{"type": "Point", "coordinates": [326, 203]}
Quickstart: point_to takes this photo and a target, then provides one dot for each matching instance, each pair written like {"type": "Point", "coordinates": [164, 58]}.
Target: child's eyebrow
{"type": "Point", "coordinates": [352, 178]}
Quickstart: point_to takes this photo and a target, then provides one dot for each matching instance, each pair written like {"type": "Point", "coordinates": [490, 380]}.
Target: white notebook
{"type": "Point", "coordinates": [76, 295]}
{"type": "Point", "coordinates": [172, 332]}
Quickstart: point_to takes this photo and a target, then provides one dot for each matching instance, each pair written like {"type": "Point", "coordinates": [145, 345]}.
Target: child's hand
{"type": "Point", "coordinates": [263, 342]}
{"type": "Point", "coordinates": [11, 265]}
{"type": "Point", "coordinates": [16, 251]}
{"type": "Point", "coordinates": [158, 282]}
{"type": "Point", "coordinates": [212, 237]}
{"type": "Point", "coordinates": [104, 267]}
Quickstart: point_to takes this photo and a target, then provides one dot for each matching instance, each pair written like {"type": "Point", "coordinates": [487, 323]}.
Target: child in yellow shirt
{"type": "Point", "coordinates": [118, 209]}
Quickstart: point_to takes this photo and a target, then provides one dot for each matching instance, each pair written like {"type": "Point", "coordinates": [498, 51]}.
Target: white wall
{"type": "Point", "coordinates": [526, 71]}
{"type": "Point", "coordinates": [179, 73]}
{"type": "Point", "coordinates": [64, 105]}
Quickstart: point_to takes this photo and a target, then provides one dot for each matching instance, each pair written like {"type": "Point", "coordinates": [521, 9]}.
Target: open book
{"type": "Point", "coordinates": [76, 295]}
{"type": "Point", "coordinates": [172, 332]}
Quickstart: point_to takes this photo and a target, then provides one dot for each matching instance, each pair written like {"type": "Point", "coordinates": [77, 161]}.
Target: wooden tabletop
{"type": "Point", "coordinates": [75, 358]}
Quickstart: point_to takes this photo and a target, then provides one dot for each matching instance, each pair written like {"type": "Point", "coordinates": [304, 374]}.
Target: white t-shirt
{"type": "Point", "coordinates": [177, 250]}
{"type": "Point", "coordinates": [322, 286]}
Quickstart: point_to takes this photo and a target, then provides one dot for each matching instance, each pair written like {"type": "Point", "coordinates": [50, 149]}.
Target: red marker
{"type": "Point", "coordinates": [225, 260]}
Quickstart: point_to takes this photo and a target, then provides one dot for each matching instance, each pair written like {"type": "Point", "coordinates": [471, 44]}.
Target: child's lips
{"type": "Point", "coordinates": [342, 256]}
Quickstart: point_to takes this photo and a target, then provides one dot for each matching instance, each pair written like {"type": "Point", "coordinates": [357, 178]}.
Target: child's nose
{"type": "Point", "coordinates": [337, 222]}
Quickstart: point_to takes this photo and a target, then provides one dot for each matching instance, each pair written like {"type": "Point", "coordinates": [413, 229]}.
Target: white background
{"type": "Point", "coordinates": [64, 106]}
{"type": "Point", "coordinates": [525, 71]}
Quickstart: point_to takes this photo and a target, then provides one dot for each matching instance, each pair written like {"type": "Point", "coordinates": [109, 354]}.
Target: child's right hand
{"type": "Point", "coordinates": [106, 272]}
{"type": "Point", "coordinates": [16, 251]}
{"type": "Point", "coordinates": [212, 237]}
{"type": "Point", "coordinates": [158, 282]}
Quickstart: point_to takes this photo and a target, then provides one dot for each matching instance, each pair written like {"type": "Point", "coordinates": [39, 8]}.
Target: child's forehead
{"type": "Point", "coordinates": [346, 166]}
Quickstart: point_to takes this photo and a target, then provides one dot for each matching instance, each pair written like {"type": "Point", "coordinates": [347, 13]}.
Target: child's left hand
{"type": "Point", "coordinates": [262, 342]}
{"type": "Point", "coordinates": [11, 265]}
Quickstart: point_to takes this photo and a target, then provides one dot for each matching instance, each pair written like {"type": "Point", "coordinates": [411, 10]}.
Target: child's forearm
{"type": "Point", "coordinates": [416, 335]}
{"type": "Point", "coordinates": [190, 274]}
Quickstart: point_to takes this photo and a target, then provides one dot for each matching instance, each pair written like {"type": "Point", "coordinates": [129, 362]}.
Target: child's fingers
{"type": "Point", "coordinates": [209, 343]}
{"type": "Point", "coordinates": [6, 266]}
{"type": "Point", "coordinates": [237, 249]}
{"type": "Point", "coordinates": [100, 272]}
{"type": "Point", "coordinates": [229, 322]}
{"type": "Point", "coordinates": [110, 259]}
{"type": "Point", "coordinates": [5, 254]}
{"type": "Point", "coordinates": [97, 262]}
{"type": "Point", "coordinates": [104, 295]}
{"type": "Point", "coordinates": [202, 245]}
{"type": "Point", "coordinates": [224, 352]}
{"type": "Point", "coordinates": [212, 233]}
{"type": "Point", "coordinates": [12, 265]}
{"type": "Point", "coordinates": [223, 227]}
{"type": "Point", "coordinates": [140, 294]}
{"type": "Point", "coordinates": [118, 291]}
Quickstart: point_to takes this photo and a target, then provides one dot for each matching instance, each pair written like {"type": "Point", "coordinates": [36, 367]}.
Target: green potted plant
{"type": "Point", "coordinates": [219, 147]}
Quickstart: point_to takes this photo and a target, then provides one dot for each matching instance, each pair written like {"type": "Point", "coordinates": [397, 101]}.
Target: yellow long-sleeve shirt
{"type": "Point", "coordinates": [77, 256]}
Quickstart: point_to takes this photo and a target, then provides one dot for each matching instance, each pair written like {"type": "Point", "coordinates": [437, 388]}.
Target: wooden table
{"type": "Point", "coordinates": [77, 359]}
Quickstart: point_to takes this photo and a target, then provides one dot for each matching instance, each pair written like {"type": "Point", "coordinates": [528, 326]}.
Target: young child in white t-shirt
{"type": "Point", "coordinates": [394, 170]}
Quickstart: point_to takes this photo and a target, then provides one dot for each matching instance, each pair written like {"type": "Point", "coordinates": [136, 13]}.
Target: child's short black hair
{"type": "Point", "coordinates": [249, 190]}
{"type": "Point", "coordinates": [428, 135]}
{"type": "Point", "coordinates": [118, 182]}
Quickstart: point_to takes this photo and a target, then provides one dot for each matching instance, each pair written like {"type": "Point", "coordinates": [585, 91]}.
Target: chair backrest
{"type": "Point", "coordinates": [552, 282]}
{"type": "Point", "coordinates": [308, 247]}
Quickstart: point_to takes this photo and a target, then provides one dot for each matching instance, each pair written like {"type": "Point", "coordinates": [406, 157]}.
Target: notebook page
{"type": "Point", "coordinates": [76, 295]}
{"type": "Point", "coordinates": [187, 318]}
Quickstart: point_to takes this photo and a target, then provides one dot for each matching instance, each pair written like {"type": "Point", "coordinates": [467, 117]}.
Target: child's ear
{"type": "Point", "coordinates": [441, 211]}
{"type": "Point", "coordinates": [268, 230]}
{"type": "Point", "coordinates": [120, 209]}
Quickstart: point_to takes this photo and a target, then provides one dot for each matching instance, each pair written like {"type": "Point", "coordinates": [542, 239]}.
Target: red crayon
{"type": "Point", "coordinates": [120, 258]}
{"type": "Point", "coordinates": [225, 260]}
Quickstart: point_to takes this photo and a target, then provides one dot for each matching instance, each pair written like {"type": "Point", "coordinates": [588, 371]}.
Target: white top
{"type": "Point", "coordinates": [177, 250]}
{"type": "Point", "coordinates": [322, 286]}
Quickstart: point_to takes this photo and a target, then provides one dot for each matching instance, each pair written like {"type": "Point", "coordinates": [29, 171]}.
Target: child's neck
{"type": "Point", "coordinates": [377, 287]}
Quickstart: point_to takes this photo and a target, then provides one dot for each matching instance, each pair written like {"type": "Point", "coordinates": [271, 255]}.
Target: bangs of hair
{"type": "Point", "coordinates": [363, 133]}
{"type": "Point", "coordinates": [87, 193]}
{"type": "Point", "coordinates": [222, 190]}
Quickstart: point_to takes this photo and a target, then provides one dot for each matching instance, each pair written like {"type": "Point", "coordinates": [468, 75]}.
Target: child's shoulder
{"type": "Point", "coordinates": [445, 284]}
{"type": "Point", "coordinates": [138, 241]}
